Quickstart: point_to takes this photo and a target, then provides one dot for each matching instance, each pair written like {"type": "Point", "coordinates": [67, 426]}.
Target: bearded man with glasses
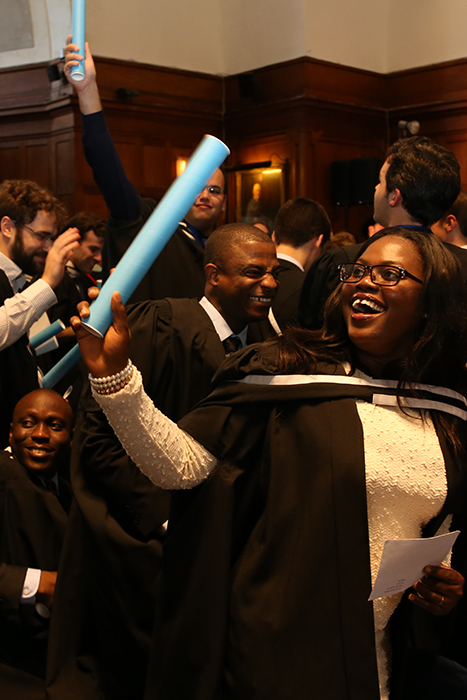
{"type": "Point", "coordinates": [29, 247]}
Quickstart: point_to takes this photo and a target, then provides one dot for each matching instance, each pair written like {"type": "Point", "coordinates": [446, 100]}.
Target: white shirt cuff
{"type": "Point", "coordinates": [30, 585]}
{"type": "Point", "coordinates": [41, 296]}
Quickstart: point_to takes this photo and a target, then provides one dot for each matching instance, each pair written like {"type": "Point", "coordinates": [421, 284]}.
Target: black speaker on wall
{"type": "Point", "coordinates": [365, 176]}
{"type": "Point", "coordinates": [341, 171]}
{"type": "Point", "coordinates": [353, 181]}
{"type": "Point", "coordinates": [247, 85]}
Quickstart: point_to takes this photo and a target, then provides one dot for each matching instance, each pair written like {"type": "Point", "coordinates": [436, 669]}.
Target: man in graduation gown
{"type": "Point", "coordinates": [34, 501]}
{"type": "Point", "coordinates": [179, 269]}
{"type": "Point", "coordinates": [115, 535]}
{"type": "Point", "coordinates": [418, 182]}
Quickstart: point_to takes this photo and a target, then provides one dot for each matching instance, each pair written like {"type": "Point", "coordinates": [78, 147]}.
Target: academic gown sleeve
{"type": "Point", "coordinates": [101, 636]}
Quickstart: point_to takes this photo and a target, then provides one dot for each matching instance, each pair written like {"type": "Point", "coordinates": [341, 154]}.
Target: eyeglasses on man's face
{"type": "Point", "coordinates": [213, 190]}
{"type": "Point", "coordinates": [382, 275]}
{"type": "Point", "coordinates": [41, 236]}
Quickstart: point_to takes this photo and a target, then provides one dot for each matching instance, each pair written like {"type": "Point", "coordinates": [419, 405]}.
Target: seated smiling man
{"type": "Point", "coordinates": [34, 501]}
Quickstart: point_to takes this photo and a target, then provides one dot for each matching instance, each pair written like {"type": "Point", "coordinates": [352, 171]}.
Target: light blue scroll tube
{"type": "Point", "coordinates": [152, 238]}
{"type": "Point", "coordinates": [46, 334]}
{"type": "Point", "coordinates": [61, 368]}
{"type": "Point", "coordinates": [78, 34]}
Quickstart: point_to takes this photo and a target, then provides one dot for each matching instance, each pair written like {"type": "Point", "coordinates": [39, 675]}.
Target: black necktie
{"type": "Point", "coordinates": [51, 487]}
{"type": "Point", "coordinates": [231, 344]}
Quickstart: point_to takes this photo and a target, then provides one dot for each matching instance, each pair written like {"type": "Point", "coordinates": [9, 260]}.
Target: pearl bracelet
{"type": "Point", "coordinates": [112, 383]}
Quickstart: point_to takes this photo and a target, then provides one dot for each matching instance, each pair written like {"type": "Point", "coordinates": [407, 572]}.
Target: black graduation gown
{"type": "Point", "coordinates": [179, 269]}
{"type": "Point", "coordinates": [321, 280]}
{"type": "Point", "coordinates": [18, 371]}
{"type": "Point", "coordinates": [32, 529]}
{"type": "Point", "coordinates": [286, 300]}
{"type": "Point", "coordinates": [266, 565]}
{"type": "Point", "coordinates": [101, 640]}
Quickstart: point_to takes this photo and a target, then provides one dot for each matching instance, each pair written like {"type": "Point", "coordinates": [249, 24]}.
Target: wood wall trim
{"type": "Point", "coordinates": [436, 86]}
{"type": "Point", "coordinates": [309, 112]}
{"type": "Point", "coordinates": [26, 88]}
{"type": "Point", "coordinates": [308, 78]}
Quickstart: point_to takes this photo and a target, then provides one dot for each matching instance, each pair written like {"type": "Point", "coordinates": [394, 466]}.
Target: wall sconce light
{"type": "Point", "coordinates": [180, 166]}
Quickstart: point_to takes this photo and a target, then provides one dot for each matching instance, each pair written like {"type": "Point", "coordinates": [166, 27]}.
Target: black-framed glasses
{"type": "Point", "coordinates": [214, 190]}
{"type": "Point", "coordinates": [382, 275]}
{"type": "Point", "coordinates": [42, 236]}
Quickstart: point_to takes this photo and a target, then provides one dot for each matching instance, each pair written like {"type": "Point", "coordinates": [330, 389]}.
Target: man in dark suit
{"type": "Point", "coordinates": [418, 182]}
{"type": "Point", "coordinates": [34, 501]}
{"type": "Point", "coordinates": [301, 229]}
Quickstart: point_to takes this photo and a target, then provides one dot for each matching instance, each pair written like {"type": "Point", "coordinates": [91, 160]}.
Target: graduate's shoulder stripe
{"type": "Point", "coordinates": [428, 396]}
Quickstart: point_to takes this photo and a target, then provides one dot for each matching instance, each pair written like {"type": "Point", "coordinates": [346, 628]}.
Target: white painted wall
{"type": "Point", "coordinates": [180, 33]}
{"type": "Point", "coordinates": [258, 33]}
{"type": "Point", "coordinates": [230, 36]}
{"type": "Point", "coordinates": [422, 32]}
{"type": "Point", "coordinates": [350, 32]}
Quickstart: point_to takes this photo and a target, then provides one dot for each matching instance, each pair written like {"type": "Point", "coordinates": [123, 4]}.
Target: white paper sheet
{"type": "Point", "coordinates": [403, 561]}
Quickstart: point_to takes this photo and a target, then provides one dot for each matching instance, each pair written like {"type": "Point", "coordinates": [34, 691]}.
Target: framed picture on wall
{"type": "Point", "coordinates": [259, 194]}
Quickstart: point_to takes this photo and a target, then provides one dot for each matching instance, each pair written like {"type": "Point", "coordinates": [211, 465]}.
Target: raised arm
{"type": "Point", "coordinates": [168, 456]}
{"type": "Point", "coordinates": [20, 311]}
{"type": "Point", "coordinates": [120, 195]}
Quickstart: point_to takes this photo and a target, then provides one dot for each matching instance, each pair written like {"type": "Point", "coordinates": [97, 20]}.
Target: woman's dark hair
{"type": "Point", "coordinates": [439, 354]}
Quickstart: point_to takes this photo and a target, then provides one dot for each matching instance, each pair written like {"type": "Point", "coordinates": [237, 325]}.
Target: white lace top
{"type": "Point", "coordinates": [405, 474]}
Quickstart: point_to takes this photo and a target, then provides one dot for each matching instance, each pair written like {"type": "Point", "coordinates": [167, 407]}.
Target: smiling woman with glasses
{"type": "Point", "coordinates": [313, 449]}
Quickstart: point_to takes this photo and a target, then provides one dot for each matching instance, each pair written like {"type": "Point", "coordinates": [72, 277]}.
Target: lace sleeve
{"type": "Point", "coordinates": [167, 455]}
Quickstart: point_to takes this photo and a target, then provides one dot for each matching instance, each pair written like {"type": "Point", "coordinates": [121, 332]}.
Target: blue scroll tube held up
{"type": "Point", "coordinates": [78, 33]}
{"type": "Point", "coordinates": [152, 238]}
{"type": "Point", "coordinates": [46, 334]}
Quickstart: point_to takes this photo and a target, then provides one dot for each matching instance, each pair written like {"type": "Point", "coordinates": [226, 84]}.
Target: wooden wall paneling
{"type": "Point", "coordinates": [435, 85]}
{"type": "Point", "coordinates": [304, 171]}
{"type": "Point", "coordinates": [458, 145]}
{"type": "Point", "coordinates": [64, 175]}
{"type": "Point", "coordinates": [436, 96]}
{"type": "Point", "coordinates": [86, 194]}
{"type": "Point", "coordinates": [64, 151]}
{"type": "Point", "coordinates": [308, 111]}
{"type": "Point", "coordinates": [11, 160]}
{"type": "Point", "coordinates": [160, 88]}
{"type": "Point", "coordinates": [306, 77]}
{"type": "Point", "coordinates": [157, 166]}
{"type": "Point", "coordinates": [327, 150]}
{"type": "Point", "coordinates": [26, 89]}
{"type": "Point", "coordinates": [323, 112]}
{"type": "Point", "coordinates": [38, 161]}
